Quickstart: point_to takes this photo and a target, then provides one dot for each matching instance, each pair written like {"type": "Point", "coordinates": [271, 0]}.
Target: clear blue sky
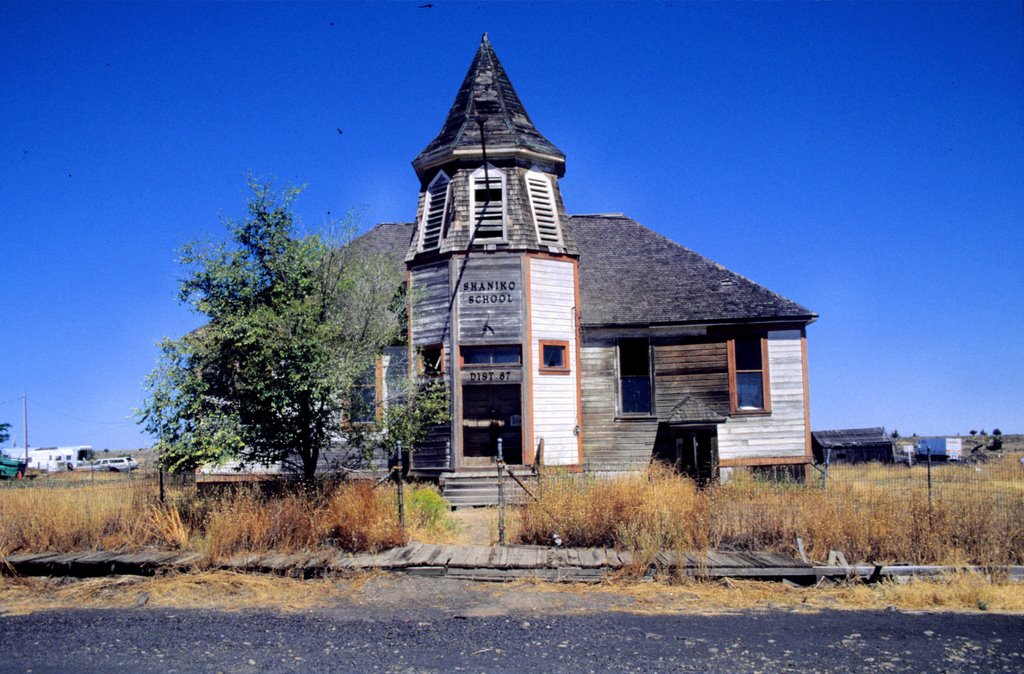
{"type": "Point", "coordinates": [865, 160]}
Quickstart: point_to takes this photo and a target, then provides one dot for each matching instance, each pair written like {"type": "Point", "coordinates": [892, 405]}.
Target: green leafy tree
{"type": "Point", "coordinates": [405, 420]}
{"type": "Point", "coordinates": [292, 324]}
{"type": "Point", "coordinates": [5, 432]}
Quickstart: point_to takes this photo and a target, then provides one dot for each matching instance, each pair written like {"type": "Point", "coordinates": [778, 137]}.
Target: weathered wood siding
{"type": "Point", "coordinates": [430, 324]}
{"type": "Point", "coordinates": [552, 306]}
{"type": "Point", "coordinates": [696, 370]}
{"type": "Point", "coordinates": [430, 302]}
{"type": "Point", "coordinates": [489, 312]}
{"type": "Point", "coordinates": [783, 432]}
{"type": "Point", "coordinates": [609, 443]}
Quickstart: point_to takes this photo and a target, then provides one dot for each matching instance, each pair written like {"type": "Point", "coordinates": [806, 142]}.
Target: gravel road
{"type": "Point", "coordinates": [365, 640]}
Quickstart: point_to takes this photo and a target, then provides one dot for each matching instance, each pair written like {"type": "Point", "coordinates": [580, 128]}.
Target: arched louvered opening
{"type": "Point", "coordinates": [545, 214]}
{"type": "Point", "coordinates": [488, 203]}
{"type": "Point", "coordinates": [434, 209]}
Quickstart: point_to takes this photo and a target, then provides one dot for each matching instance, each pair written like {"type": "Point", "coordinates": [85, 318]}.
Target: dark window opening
{"type": "Point", "coordinates": [554, 357]}
{"type": "Point", "coordinates": [635, 376]}
{"type": "Point", "coordinates": [363, 403]}
{"type": "Point", "coordinates": [432, 358]}
{"type": "Point", "coordinates": [491, 355]}
{"type": "Point", "coordinates": [748, 357]}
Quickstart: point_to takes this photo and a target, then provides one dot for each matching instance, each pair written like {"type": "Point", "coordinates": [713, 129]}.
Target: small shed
{"type": "Point", "coordinates": [852, 445]}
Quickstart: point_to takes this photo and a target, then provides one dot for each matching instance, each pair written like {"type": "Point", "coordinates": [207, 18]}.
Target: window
{"type": "Point", "coordinates": [545, 214]}
{"type": "Point", "coordinates": [491, 355]}
{"type": "Point", "coordinates": [554, 357]}
{"type": "Point", "coordinates": [635, 376]}
{"type": "Point", "coordinates": [748, 375]}
{"type": "Point", "coordinates": [363, 403]}
{"type": "Point", "coordinates": [432, 360]}
{"type": "Point", "coordinates": [435, 206]}
{"type": "Point", "coordinates": [488, 204]}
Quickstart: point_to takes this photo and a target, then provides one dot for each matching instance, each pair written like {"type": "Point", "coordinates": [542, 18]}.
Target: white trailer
{"type": "Point", "coordinates": [940, 449]}
{"type": "Point", "coordinates": [54, 459]}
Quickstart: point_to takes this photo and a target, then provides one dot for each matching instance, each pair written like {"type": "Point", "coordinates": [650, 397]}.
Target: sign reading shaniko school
{"type": "Point", "coordinates": [490, 292]}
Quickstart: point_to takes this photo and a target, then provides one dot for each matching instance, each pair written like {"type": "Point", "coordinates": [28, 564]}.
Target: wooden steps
{"type": "Point", "coordinates": [470, 489]}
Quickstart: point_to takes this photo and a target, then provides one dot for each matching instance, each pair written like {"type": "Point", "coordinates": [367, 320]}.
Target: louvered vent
{"type": "Point", "coordinates": [542, 199]}
{"type": "Point", "coordinates": [434, 211]}
{"type": "Point", "coordinates": [488, 206]}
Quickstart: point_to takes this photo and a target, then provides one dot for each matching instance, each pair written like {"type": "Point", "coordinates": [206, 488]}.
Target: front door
{"type": "Point", "coordinates": [490, 412]}
{"type": "Point", "coordinates": [697, 455]}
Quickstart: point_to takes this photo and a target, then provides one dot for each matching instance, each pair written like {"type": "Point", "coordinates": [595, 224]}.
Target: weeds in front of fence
{"type": "Point", "coordinates": [870, 513]}
{"type": "Point", "coordinates": [127, 515]}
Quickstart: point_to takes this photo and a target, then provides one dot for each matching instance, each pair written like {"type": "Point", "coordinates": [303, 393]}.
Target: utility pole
{"type": "Point", "coordinates": [24, 400]}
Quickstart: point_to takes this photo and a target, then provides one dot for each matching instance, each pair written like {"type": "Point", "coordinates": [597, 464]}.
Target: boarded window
{"type": "Point", "coordinates": [545, 215]}
{"type": "Point", "coordinates": [635, 376]}
{"type": "Point", "coordinates": [434, 209]}
{"type": "Point", "coordinates": [488, 204]}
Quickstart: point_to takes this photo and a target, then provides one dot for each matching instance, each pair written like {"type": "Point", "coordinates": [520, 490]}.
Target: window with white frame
{"type": "Point", "coordinates": [542, 201]}
{"type": "Point", "coordinates": [488, 203]}
{"type": "Point", "coordinates": [435, 206]}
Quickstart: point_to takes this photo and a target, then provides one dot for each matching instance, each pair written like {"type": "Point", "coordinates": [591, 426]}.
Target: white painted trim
{"type": "Point", "coordinates": [428, 206]}
{"type": "Point", "coordinates": [550, 189]}
{"type": "Point", "coordinates": [444, 156]}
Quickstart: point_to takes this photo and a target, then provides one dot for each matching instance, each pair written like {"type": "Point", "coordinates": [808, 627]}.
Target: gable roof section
{"type": "Point", "coordinates": [630, 275]}
{"type": "Point", "coordinates": [389, 239]}
{"type": "Point", "coordinates": [851, 437]}
{"type": "Point", "coordinates": [486, 91]}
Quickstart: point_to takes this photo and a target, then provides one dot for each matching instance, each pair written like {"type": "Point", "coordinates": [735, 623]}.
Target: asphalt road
{"type": "Point", "coordinates": [151, 640]}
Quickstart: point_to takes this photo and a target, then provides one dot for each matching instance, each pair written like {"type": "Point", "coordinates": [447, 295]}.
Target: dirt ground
{"type": "Point", "coordinates": [394, 595]}
{"type": "Point", "coordinates": [477, 526]}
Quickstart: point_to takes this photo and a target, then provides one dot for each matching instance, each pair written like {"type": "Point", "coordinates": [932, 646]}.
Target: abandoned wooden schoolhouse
{"type": "Point", "coordinates": [584, 341]}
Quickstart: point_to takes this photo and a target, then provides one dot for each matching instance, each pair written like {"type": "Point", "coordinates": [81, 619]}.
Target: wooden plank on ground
{"type": "Point", "coordinates": [445, 554]}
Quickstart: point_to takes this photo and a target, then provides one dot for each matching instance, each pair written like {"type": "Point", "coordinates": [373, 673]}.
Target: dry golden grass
{"type": "Point", "coordinates": [68, 519]}
{"type": "Point", "coordinates": [221, 590]}
{"type": "Point", "coordinates": [119, 516]}
{"type": "Point", "coordinates": [870, 513]}
{"type": "Point", "coordinates": [955, 592]}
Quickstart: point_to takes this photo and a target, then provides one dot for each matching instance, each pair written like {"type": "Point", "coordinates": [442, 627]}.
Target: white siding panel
{"type": "Point", "coordinates": [783, 432]}
{"type": "Point", "coordinates": [552, 303]}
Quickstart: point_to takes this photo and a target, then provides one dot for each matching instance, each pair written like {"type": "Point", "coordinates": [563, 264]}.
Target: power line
{"type": "Point", "coordinates": [71, 416]}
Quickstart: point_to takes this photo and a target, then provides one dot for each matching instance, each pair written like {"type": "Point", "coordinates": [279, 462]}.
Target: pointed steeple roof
{"type": "Point", "coordinates": [487, 93]}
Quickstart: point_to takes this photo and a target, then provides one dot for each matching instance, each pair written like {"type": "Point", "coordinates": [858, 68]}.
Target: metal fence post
{"type": "Point", "coordinates": [929, 486]}
{"type": "Point", "coordinates": [401, 488]}
{"type": "Point", "coordinates": [501, 495]}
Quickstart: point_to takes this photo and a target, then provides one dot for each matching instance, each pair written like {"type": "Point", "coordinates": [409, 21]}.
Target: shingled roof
{"type": "Point", "coordinates": [486, 92]}
{"type": "Point", "coordinates": [632, 275]}
{"type": "Point", "coordinates": [390, 239]}
{"type": "Point", "coordinates": [851, 437]}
